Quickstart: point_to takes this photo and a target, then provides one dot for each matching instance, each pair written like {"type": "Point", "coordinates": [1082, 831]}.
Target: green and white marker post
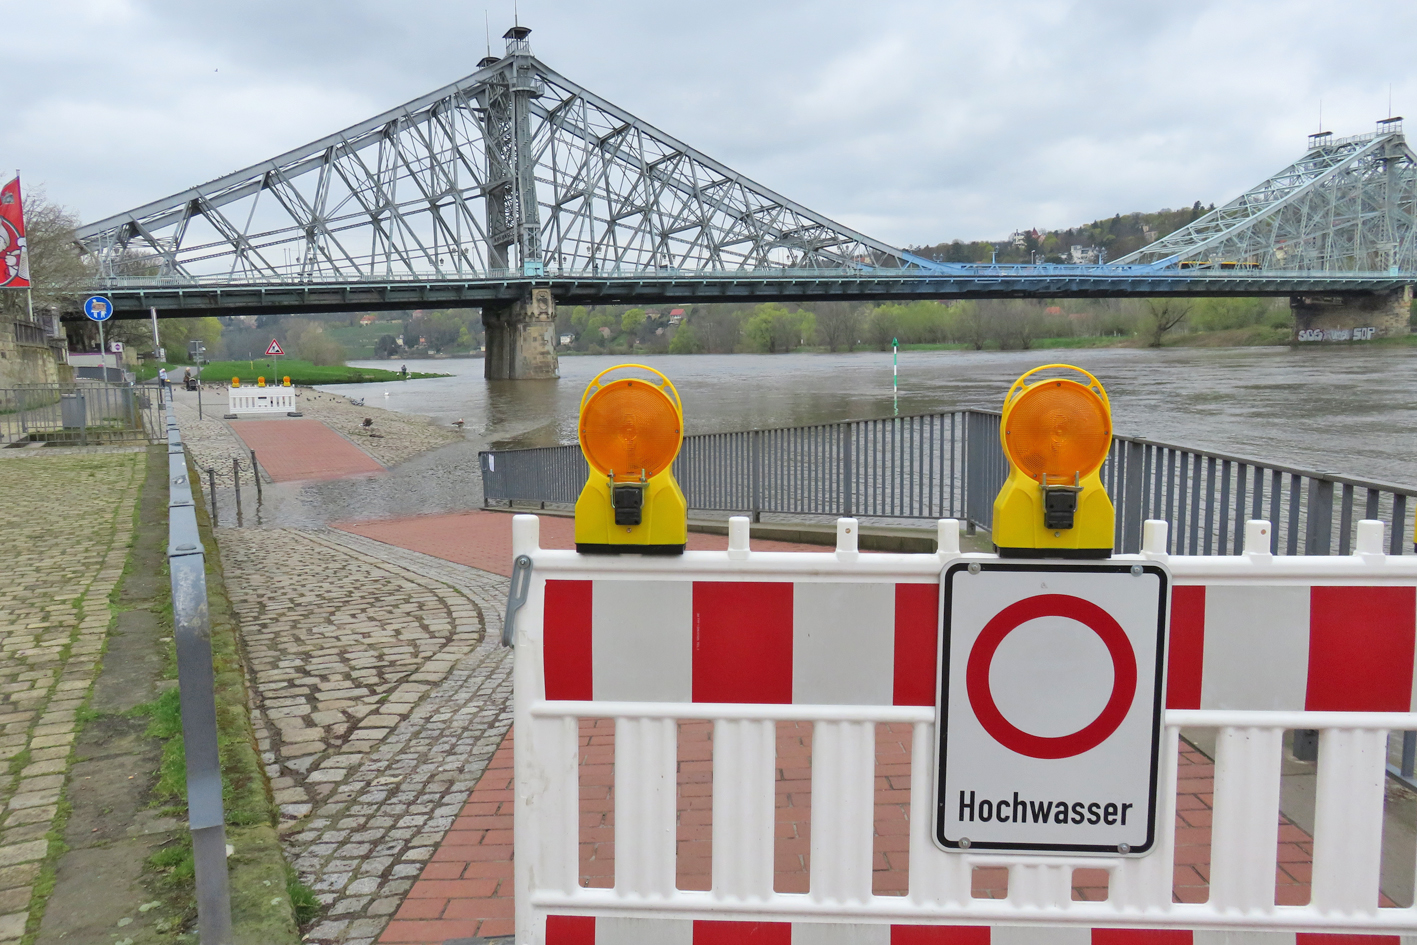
{"type": "Point", "coordinates": [895, 375]}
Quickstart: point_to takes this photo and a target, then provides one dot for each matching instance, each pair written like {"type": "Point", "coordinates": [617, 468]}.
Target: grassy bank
{"type": "Point", "coordinates": [300, 372]}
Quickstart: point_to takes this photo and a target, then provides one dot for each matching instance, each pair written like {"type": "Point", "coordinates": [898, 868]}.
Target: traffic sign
{"type": "Point", "coordinates": [98, 308]}
{"type": "Point", "coordinates": [1050, 711]}
{"type": "Point", "coordinates": [274, 348]}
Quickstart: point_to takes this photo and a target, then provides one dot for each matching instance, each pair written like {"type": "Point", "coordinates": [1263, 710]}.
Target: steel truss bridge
{"type": "Point", "coordinates": [517, 178]}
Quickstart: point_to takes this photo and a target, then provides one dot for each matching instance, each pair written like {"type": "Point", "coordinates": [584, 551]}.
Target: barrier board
{"type": "Point", "coordinates": [742, 639]}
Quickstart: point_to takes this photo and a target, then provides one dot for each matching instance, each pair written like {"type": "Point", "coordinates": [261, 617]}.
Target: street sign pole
{"type": "Point", "coordinates": [100, 309]}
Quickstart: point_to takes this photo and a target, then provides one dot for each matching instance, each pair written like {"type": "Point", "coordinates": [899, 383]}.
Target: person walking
{"type": "Point", "coordinates": [162, 377]}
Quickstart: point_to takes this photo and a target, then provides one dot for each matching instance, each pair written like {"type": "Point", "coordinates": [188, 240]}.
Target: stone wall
{"type": "Point", "coordinates": [27, 363]}
{"type": "Point", "coordinates": [1348, 318]}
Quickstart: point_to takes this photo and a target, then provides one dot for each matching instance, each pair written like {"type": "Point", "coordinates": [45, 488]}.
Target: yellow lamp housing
{"type": "Point", "coordinates": [630, 431]}
{"type": "Point", "coordinates": [1056, 432]}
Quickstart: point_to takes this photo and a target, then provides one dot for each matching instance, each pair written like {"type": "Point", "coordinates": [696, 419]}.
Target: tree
{"type": "Point", "coordinates": [772, 329]}
{"type": "Point", "coordinates": [685, 340]}
{"type": "Point", "coordinates": [443, 329]}
{"type": "Point", "coordinates": [307, 341]}
{"type": "Point", "coordinates": [1164, 315]}
{"type": "Point", "coordinates": [881, 327]}
{"type": "Point", "coordinates": [719, 330]}
{"type": "Point", "coordinates": [175, 333]}
{"type": "Point", "coordinates": [386, 347]}
{"type": "Point", "coordinates": [838, 324]}
{"type": "Point", "coordinates": [973, 324]}
{"type": "Point", "coordinates": [632, 321]}
{"type": "Point", "coordinates": [1015, 324]}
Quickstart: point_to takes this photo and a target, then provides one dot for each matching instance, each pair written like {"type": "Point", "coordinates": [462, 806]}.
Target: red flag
{"type": "Point", "coordinates": [14, 256]}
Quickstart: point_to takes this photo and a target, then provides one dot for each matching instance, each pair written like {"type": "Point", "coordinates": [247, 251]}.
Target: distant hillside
{"type": "Point", "coordinates": [1115, 237]}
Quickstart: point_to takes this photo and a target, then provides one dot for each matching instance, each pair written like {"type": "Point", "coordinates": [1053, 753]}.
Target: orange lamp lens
{"type": "Point", "coordinates": [630, 426]}
{"type": "Point", "coordinates": [1058, 429]}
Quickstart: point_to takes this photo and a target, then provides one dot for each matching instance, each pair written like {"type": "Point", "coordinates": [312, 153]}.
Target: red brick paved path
{"type": "Point", "coordinates": [466, 889]}
{"type": "Point", "coordinates": [293, 448]}
{"type": "Point", "coordinates": [483, 540]}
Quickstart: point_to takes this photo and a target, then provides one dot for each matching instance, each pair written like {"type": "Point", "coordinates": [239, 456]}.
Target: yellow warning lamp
{"type": "Point", "coordinates": [285, 381]}
{"type": "Point", "coordinates": [236, 382]}
{"type": "Point", "coordinates": [1056, 432]}
{"type": "Point", "coordinates": [630, 431]}
{"type": "Point", "coordinates": [260, 382]}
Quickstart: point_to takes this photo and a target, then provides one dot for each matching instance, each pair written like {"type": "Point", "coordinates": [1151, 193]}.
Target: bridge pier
{"type": "Point", "coordinates": [1351, 318]}
{"type": "Point", "coordinates": [521, 338]}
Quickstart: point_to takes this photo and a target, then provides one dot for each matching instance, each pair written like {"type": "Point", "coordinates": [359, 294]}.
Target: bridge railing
{"type": "Point", "coordinates": [925, 467]}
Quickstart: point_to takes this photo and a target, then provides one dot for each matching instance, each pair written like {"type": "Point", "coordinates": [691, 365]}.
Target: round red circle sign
{"type": "Point", "coordinates": [981, 657]}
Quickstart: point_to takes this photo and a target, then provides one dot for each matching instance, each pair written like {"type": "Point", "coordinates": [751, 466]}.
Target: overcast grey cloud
{"type": "Point", "coordinates": [912, 121]}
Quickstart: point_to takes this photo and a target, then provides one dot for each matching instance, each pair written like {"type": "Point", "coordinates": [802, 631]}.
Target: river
{"type": "Point", "coordinates": [1338, 409]}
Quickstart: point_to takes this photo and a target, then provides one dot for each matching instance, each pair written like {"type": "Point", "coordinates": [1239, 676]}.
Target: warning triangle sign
{"type": "Point", "coordinates": [275, 348]}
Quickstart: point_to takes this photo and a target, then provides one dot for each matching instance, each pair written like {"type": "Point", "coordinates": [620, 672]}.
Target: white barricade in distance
{"type": "Point", "coordinates": [241, 400]}
{"type": "Point", "coordinates": [1259, 644]}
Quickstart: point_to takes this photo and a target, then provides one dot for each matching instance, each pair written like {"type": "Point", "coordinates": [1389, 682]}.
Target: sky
{"type": "Point", "coordinates": [912, 121]}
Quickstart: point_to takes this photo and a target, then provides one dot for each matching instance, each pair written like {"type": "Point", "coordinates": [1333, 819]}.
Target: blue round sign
{"type": "Point", "coordinates": [98, 308]}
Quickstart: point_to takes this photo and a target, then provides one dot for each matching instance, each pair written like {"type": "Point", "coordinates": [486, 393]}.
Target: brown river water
{"type": "Point", "coordinates": [1348, 409]}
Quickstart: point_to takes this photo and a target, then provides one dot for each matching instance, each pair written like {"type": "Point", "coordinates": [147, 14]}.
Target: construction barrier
{"type": "Point", "coordinates": [260, 400]}
{"type": "Point", "coordinates": [1259, 644]}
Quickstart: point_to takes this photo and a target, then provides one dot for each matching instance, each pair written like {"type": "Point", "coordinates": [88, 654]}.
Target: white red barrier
{"type": "Point", "coordinates": [260, 400]}
{"type": "Point", "coordinates": [1259, 644]}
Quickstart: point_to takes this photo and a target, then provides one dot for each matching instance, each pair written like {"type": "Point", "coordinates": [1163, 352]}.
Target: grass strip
{"type": "Point", "coordinates": [303, 373]}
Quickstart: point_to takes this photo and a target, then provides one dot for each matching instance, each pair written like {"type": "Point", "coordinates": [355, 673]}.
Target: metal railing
{"type": "Point", "coordinates": [196, 683]}
{"type": "Point", "coordinates": [950, 465]}
{"type": "Point", "coordinates": [80, 414]}
{"type": "Point", "coordinates": [30, 333]}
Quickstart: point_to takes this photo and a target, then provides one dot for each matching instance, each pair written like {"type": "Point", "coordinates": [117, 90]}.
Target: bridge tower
{"type": "Point", "coordinates": [521, 335]}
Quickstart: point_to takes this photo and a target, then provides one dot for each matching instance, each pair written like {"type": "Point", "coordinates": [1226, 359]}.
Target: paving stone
{"type": "Point", "coordinates": [335, 636]}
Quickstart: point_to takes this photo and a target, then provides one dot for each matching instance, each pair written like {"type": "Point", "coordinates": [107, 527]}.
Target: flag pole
{"type": "Point", "coordinates": [29, 288]}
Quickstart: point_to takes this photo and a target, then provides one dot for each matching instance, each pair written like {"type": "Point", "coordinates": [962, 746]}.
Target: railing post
{"type": "Point", "coordinates": [755, 454]}
{"type": "Point", "coordinates": [1132, 512]}
{"type": "Point", "coordinates": [848, 468]}
{"type": "Point", "coordinates": [256, 475]}
{"type": "Point", "coordinates": [1318, 525]}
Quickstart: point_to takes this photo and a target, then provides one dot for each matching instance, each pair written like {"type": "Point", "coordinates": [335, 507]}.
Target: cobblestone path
{"type": "Point", "coordinates": [66, 521]}
{"type": "Point", "coordinates": [380, 693]}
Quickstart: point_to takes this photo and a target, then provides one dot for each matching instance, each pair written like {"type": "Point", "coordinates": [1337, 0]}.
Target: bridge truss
{"type": "Point", "coordinates": [516, 177]}
{"type": "Point", "coordinates": [1348, 205]}
{"type": "Point", "coordinates": [514, 170]}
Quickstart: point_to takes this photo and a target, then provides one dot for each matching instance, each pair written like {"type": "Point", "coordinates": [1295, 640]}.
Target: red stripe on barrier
{"type": "Point", "coordinates": [1186, 648]}
{"type": "Point", "coordinates": [742, 642]}
{"type": "Point", "coordinates": [1141, 936]}
{"type": "Point", "coordinates": [939, 935]}
{"type": "Point", "coordinates": [1345, 938]}
{"type": "Point", "coordinates": [917, 634]}
{"type": "Point", "coordinates": [742, 933]}
{"type": "Point", "coordinates": [570, 929]}
{"type": "Point", "coordinates": [1360, 649]}
{"type": "Point", "coordinates": [567, 633]}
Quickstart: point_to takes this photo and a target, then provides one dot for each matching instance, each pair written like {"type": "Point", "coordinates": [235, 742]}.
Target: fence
{"type": "Point", "coordinates": [1259, 646]}
{"type": "Point", "coordinates": [80, 414]}
{"type": "Point", "coordinates": [950, 465]}
{"type": "Point", "coordinates": [260, 400]}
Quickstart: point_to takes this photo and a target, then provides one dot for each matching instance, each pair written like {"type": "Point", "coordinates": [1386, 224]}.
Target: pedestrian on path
{"type": "Point", "coordinates": [162, 377]}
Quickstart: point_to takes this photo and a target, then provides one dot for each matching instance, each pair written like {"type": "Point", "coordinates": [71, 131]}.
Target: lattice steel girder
{"type": "Point", "coordinates": [514, 170]}
{"type": "Point", "coordinates": [133, 300]}
{"type": "Point", "coordinates": [1346, 205]}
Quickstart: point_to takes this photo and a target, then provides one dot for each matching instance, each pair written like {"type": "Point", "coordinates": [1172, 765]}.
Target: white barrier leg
{"type": "Point", "coordinates": [936, 878]}
{"type": "Point", "coordinates": [1244, 834]}
{"type": "Point", "coordinates": [843, 809]}
{"type": "Point", "coordinates": [646, 757]}
{"type": "Point", "coordinates": [1145, 881]}
{"type": "Point", "coordinates": [1348, 820]}
{"type": "Point", "coordinates": [744, 761]}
